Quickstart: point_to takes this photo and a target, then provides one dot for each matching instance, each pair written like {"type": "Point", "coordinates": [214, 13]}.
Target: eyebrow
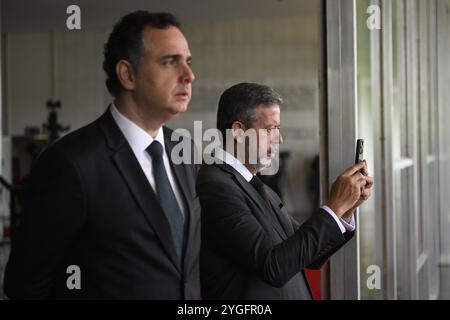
{"type": "Point", "coordinates": [175, 56]}
{"type": "Point", "coordinates": [272, 127]}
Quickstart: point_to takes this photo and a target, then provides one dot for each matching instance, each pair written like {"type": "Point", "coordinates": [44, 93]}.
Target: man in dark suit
{"type": "Point", "coordinates": [106, 203]}
{"type": "Point", "coordinates": [251, 247]}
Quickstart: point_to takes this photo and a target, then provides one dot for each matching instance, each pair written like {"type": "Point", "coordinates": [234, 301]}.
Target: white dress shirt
{"type": "Point", "coordinates": [229, 159]}
{"type": "Point", "coordinates": [139, 140]}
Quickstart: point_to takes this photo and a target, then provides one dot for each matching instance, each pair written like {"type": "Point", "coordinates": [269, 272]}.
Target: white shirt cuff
{"type": "Point", "coordinates": [349, 225]}
{"type": "Point", "coordinates": [343, 225]}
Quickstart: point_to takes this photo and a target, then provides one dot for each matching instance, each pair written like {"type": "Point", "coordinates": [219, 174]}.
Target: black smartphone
{"type": "Point", "coordinates": [359, 153]}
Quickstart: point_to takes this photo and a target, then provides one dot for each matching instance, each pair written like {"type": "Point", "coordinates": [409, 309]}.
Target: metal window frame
{"type": "Point", "coordinates": [387, 110]}
{"type": "Point", "coordinates": [339, 119]}
{"type": "Point", "coordinates": [443, 76]}
{"type": "Point", "coordinates": [341, 129]}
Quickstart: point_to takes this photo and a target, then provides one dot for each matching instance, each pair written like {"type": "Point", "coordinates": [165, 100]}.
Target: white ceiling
{"type": "Point", "coordinates": [45, 15]}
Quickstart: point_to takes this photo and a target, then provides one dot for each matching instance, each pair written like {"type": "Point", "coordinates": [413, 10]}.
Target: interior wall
{"type": "Point", "coordinates": [50, 15]}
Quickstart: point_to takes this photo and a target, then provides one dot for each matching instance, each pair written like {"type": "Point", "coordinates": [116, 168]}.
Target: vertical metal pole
{"type": "Point", "coordinates": [342, 121]}
{"type": "Point", "coordinates": [323, 128]}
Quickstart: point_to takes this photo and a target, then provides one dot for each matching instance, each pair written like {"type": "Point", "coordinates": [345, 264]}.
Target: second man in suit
{"type": "Point", "coordinates": [251, 247]}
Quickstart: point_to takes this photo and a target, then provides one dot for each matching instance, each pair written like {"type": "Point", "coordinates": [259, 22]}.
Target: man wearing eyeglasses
{"type": "Point", "coordinates": [251, 248]}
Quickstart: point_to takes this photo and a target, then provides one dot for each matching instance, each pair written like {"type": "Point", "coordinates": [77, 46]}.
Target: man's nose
{"type": "Point", "coordinates": [188, 75]}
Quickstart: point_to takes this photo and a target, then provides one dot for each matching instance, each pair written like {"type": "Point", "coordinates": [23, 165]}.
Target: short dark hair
{"type": "Point", "coordinates": [239, 103]}
{"type": "Point", "coordinates": [125, 42]}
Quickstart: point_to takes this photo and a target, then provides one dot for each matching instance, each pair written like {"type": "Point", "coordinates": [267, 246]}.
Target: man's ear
{"type": "Point", "coordinates": [237, 131]}
{"type": "Point", "coordinates": [125, 74]}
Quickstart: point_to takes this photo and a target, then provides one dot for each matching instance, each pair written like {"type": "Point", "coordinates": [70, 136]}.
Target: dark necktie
{"type": "Point", "coordinates": [166, 195]}
{"type": "Point", "coordinates": [259, 186]}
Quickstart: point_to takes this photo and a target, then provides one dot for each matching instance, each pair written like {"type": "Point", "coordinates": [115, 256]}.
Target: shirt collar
{"type": "Point", "coordinates": [232, 161]}
{"type": "Point", "coordinates": [138, 139]}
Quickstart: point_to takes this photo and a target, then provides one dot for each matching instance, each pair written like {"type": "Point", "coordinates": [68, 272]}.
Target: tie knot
{"type": "Point", "coordinates": [256, 183]}
{"type": "Point", "coordinates": [259, 187]}
{"type": "Point", "coordinates": [155, 149]}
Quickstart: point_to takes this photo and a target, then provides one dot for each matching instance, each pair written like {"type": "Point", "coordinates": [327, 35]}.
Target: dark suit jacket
{"type": "Point", "coordinates": [253, 251]}
{"type": "Point", "coordinates": [88, 203]}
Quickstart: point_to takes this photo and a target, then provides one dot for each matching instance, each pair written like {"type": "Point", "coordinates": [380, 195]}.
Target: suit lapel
{"type": "Point", "coordinates": [179, 170]}
{"type": "Point", "coordinates": [181, 177]}
{"type": "Point", "coordinates": [259, 201]}
{"type": "Point", "coordinates": [284, 220]}
{"type": "Point", "coordinates": [137, 182]}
